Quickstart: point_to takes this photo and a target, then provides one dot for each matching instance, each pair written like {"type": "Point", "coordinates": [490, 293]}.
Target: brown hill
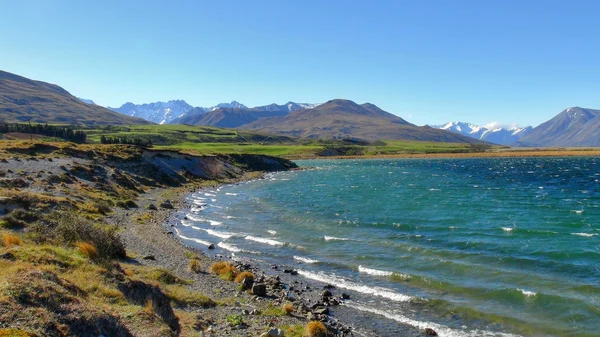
{"type": "Point", "coordinates": [22, 99]}
{"type": "Point", "coordinates": [226, 117]}
{"type": "Point", "coordinates": [340, 119]}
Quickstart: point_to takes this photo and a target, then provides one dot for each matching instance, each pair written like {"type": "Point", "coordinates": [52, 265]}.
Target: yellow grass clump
{"type": "Point", "coordinates": [195, 266]}
{"type": "Point", "coordinates": [225, 270]}
{"type": "Point", "coordinates": [241, 276]}
{"type": "Point", "coordinates": [87, 249]}
{"type": "Point", "coordinates": [11, 240]}
{"type": "Point", "coordinates": [288, 308]}
{"type": "Point", "coordinates": [315, 329]}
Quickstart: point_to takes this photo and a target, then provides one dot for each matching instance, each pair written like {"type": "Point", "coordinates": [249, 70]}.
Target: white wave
{"type": "Point", "coordinates": [305, 259]}
{"type": "Point", "coordinates": [527, 292]}
{"type": "Point", "coordinates": [333, 238]}
{"type": "Point", "coordinates": [374, 271]}
{"type": "Point", "coordinates": [199, 219]}
{"type": "Point", "coordinates": [442, 330]}
{"type": "Point", "coordinates": [263, 240]}
{"type": "Point", "coordinates": [229, 247]}
{"type": "Point", "coordinates": [210, 195]}
{"type": "Point", "coordinates": [578, 211]}
{"type": "Point", "coordinates": [508, 229]}
{"type": "Point", "coordinates": [453, 227]}
{"type": "Point", "coordinates": [585, 234]}
{"type": "Point", "coordinates": [202, 242]}
{"type": "Point", "coordinates": [229, 217]}
{"type": "Point", "coordinates": [342, 283]}
{"type": "Point", "coordinates": [197, 209]}
{"type": "Point", "coordinates": [231, 193]}
{"type": "Point", "coordinates": [223, 235]}
{"type": "Point", "coordinates": [434, 189]}
{"type": "Point", "coordinates": [199, 202]}
{"type": "Point", "coordinates": [272, 232]}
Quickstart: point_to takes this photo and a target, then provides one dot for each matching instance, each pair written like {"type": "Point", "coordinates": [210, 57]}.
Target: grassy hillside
{"type": "Point", "coordinates": [22, 99]}
{"type": "Point", "coordinates": [64, 269]}
{"type": "Point", "coordinates": [170, 134]}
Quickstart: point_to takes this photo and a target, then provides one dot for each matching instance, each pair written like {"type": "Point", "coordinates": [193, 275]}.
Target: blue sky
{"type": "Point", "coordinates": [427, 61]}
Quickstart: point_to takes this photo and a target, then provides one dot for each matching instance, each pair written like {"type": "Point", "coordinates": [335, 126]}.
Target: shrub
{"type": "Point", "coordinates": [241, 276]}
{"type": "Point", "coordinates": [315, 329]}
{"type": "Point", "coordinates": [11, 240]}
{"type": "Point", "coordinates": [235, 320]}
{"type": "Point", "coordinates": [127, 204]}
{"type": "Point", "coordinates": [288, 308]}
{"type": "Point", "coordinates": [225, 270]}
{"type": "Point", "coordinates": [69, 228]}
{"type": "Point", "coordinates": [87, 249]}
{"type": "Point", "coordinates": [195, 266]}
{"type": "Point", "coordinates": [165, 276]}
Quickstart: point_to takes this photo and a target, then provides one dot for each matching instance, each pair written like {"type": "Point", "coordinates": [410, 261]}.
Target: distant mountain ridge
{"type": "Point", "coordinates": [23, 99]}
{"type": "Point", "coordinates": [502, 136]}
{"type": "Point", "coordinates": [180, 112]}
{"type": "Point", "coordinates": [573, 126]}
{"type": "Point", "coordinates": [343, 119]}
{"type": "Point", "coordinates": [236, 117]}
{"type": "Point", "coordinates": [157, 112]}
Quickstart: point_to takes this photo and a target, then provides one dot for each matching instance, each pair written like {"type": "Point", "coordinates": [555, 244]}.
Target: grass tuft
{"type": "Point", "coordinates": [87, 249]}
{"type": "Point", "coordinates": [288, 308]}
{"type": "Point", "coordinates": [225, 270]}
{"type": "Point", "coordinates": [241, 276]}
{"type": "Point", "coordinates": [195, 266]}
{"type": "Point", "coordinates": [11, 240]}
{"type": "Point", "coordinates": [315, 329]}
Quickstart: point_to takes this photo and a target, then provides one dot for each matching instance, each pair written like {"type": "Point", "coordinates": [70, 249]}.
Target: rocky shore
{"type": "Point", "coordinates": [153, 244]}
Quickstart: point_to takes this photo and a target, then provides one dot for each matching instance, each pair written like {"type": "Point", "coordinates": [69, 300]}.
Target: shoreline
{"type": "Point", "coordinates": [510, 153]}
{"type": "Point", "coordinates": [156, 239]}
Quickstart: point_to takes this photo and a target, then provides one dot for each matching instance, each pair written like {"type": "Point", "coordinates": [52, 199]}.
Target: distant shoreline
{"type": "Point", "coordinates": [512, 153]}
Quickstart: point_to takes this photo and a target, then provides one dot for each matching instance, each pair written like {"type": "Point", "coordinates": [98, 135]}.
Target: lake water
{"type": "Point", "coordinates": [470, 247]}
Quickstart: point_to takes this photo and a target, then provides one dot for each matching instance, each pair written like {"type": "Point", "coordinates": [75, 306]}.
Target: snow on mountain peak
{"type": "Point", "coordinates": [492, 132]}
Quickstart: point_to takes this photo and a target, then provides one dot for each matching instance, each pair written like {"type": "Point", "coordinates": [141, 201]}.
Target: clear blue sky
{"type": "Point", "coordinates": [426, 61]}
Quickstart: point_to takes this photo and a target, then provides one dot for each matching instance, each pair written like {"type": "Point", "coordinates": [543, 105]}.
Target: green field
{"type": "Point", "coordinates": [211, 140]}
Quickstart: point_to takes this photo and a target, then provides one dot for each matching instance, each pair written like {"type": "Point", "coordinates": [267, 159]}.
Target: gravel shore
{"type": "Point", "coordinates": [151, 242]}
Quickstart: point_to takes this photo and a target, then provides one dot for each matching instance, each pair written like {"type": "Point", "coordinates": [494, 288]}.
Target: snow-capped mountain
{"type": "Point", "coordinates": [87, 101]}
{"type": "Point", "coordinates": [496, 135]}
{"type": "Point", "coordinates": [289, 107]}
{"type": "Point", "coordinates": [166, 112]}
{"type": "Point", "coordinates": [157, 112]}
{"type": "Point", "coordinates": [574, 126]}
{"type": "Point", "coordinates": [232, 105]}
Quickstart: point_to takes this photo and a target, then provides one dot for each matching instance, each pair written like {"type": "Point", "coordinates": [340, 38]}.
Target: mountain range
{"type": "Point", "coordinates": [236, 117]}
{"type": "Point", "coordinates": [502, 136]}
{"type": "Point", "coordinates": [342, 119]}
{"type": "Point", "coordinates": [572, 127]}
{"type": "Point", "coordinates": [23, 99]}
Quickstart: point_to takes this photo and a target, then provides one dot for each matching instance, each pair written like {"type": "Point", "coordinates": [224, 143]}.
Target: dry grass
{"type": "Point", "coordinates": [11, 240]}
{"type": "Point", "coordinates": [195, 266]}
{"type": "Point", "coordinates": [315, 329]}
{"type": "Point", "coordinates": [288, 308]}
{"type": "Point", "coordinates": [225, 270]}
{"type": "Point", "coordinates": [184, 297]}
{"type": "Point", "coordinates": [13, 333]}
{"type": "Point", "coordinates": [243, 275]}
{"type": "Point", "coordinates": [87, 249]}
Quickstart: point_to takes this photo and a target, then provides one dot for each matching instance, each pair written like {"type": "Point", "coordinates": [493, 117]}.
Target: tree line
{"type": "Point", "coordinates": [63, 132]}
{"type": "Point", "coordinates": [125, 140]}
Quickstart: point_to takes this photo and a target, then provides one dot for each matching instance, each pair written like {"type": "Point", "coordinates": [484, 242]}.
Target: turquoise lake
{"type": "Point", "coordinates": [471, 247]}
